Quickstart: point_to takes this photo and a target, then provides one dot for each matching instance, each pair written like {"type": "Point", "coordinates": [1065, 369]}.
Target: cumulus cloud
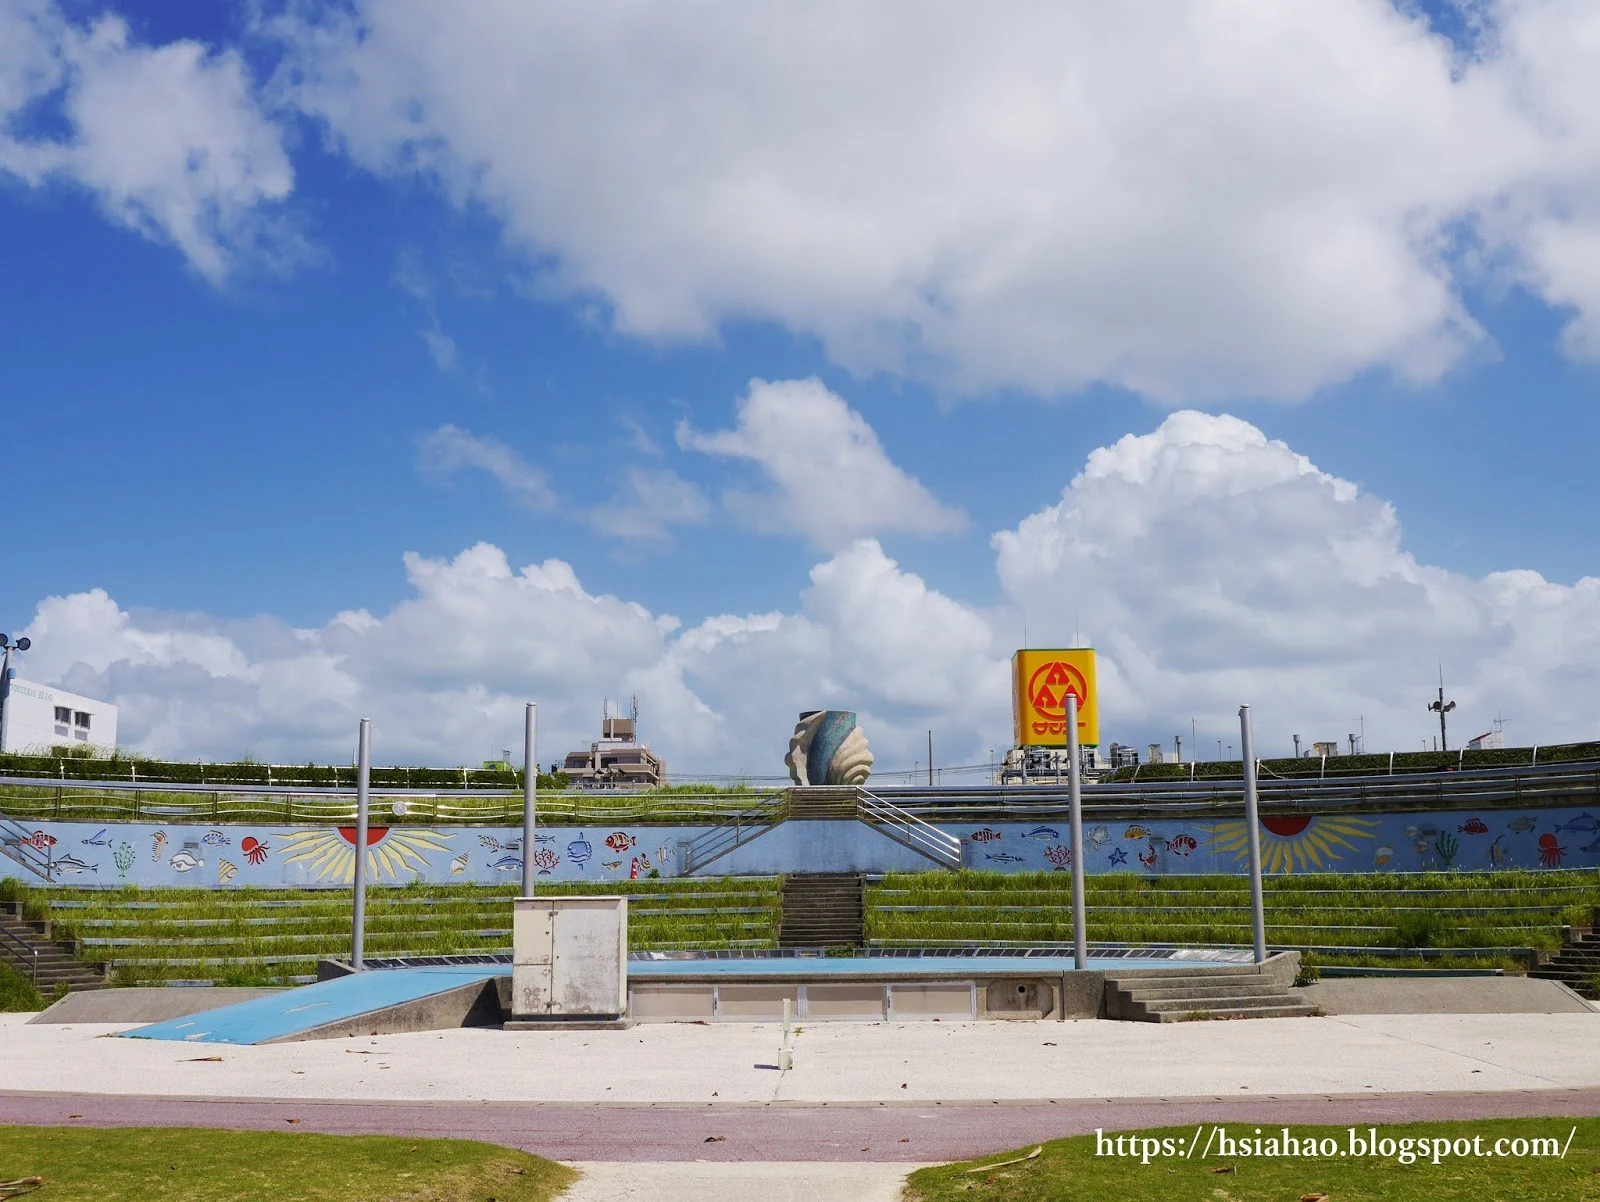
{"type": "Point", "coordinates": [649, 502]}
{"type": "Point", "coordinates": [832, 480]}
{"type": "Point", "coordinates": [1208, 564]}
{"type": "Point", "coordinates": [450, 449]}
{"type": "Point", "coordinates": [171, 140]}
{"type": "Point", "coordinates": [1245, 197]}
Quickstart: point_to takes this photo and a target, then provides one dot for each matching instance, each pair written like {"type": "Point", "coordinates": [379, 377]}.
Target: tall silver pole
{"type": "Point", "coordinates": [1080, 926]}
{"type": "Point", "coordinates": [1252, 822]}
{"type": "Point", "coordinates": [530, 789]}
{"type": "Point", "coordinates": [363, 779]}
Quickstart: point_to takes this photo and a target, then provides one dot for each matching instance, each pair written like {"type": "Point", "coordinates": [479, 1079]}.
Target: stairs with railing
{"type": "Point", "coordinates": [734, 832]}
{"type": "Point", "coordinates": [18, 843]}
{"type": "Point", "coordinates": [26, 946]}
{"type": "Point", "coordinates": [906, 829]}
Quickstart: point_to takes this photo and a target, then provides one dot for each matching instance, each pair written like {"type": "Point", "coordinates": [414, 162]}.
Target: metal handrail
{"type": "Point", "coordinates": [15, 842]}
{"type": "Point", "coordinates": [913, 831]}
{"type": "Point", "coordinates": [735, 832]}
{"type": "Point", "coordinates": [25, 955]}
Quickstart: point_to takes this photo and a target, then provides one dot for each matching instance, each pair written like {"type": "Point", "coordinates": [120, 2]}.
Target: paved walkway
{"type": "Point", "coordinates": [682, 1111]}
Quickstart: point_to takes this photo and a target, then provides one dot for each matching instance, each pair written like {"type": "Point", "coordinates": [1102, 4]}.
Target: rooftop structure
{"type": "Point", "coordinates": [617, 757]}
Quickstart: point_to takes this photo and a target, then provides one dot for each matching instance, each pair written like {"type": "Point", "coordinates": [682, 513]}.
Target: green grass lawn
{"type": "Point", "coordinates": [182, 1164]}
{"type": "Point", "coordinates": [263, 936]}
{"type": "Point", "coordinates": [1072, 1169]}
{"type": "Point", "coordinates": [1464, 913]}
{"type": "Point", "coordinates": [17, 992]}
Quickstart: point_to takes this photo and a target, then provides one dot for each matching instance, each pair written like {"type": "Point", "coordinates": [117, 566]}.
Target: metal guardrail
{"type": "Point", "coordinates": [17, 843]}
{"type": "Point", "coordinates": [734, 832]}
{"type": "Point", "coordinates": [43, 799]}
{"type": "Point", "coordinates": [906, 828]}
{"type": "Point", "coordinates": [21, 953]}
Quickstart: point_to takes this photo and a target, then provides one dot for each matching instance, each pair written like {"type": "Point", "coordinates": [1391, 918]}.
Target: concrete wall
{"type": "Point", "coordinates": [146, 853]}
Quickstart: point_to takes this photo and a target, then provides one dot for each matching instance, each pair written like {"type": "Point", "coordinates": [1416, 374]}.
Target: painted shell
{"type": "Point", "coordinates": [828, 748]}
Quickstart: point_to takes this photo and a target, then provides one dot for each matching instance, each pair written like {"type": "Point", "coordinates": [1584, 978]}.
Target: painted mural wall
{"type": "Point", "coordinates": [274, 856]}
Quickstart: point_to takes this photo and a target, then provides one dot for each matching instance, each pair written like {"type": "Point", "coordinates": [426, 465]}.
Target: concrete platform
{"type": "Point", "coordinates": [739, 1181]}
{"type": "Point", "coordinates": [838, 1062]}
{"type": "Point", "coordinates": [1443, 995]}
{"type": "Point", "coordinates": [145, 1004]}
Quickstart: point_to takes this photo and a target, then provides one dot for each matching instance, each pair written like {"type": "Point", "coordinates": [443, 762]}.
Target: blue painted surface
{"type": "Point", "coordinates": [900, 968]}
{"type": "Point", "coordinates": [280, 1014]}
{"type": "Point", "coordinates": [227, 856]}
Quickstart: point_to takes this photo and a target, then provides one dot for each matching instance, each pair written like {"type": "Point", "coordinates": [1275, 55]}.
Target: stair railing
{"type": "Point", "coordinates": [23, 954]}
{"type": "Point", "coordinates": [905, 827]}
{"type": "Point", "coordinates": [734, 831]}
{"type": "Point", "coordinates": [17, 842]}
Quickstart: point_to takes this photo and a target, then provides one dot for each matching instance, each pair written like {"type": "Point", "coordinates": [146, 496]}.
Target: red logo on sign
{"type": "Point", "coordinates": [1048, 690]}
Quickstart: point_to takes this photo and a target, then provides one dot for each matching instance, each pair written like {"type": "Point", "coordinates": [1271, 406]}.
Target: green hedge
{"type": "Point", "coordinates": [309, 776]}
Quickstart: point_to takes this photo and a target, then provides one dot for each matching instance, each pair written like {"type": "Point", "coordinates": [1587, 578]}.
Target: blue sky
{"type": "Point", "coordinates": [259, 442]}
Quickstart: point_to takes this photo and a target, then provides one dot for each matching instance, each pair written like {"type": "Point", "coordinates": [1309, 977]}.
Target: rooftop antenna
{"type": "Point", "coordinates": [1442, 707]}
{"type": "Point", "coordinates": [633, 712]}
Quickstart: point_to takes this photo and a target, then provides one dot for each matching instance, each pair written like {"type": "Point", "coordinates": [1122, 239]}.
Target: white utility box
{"type": "Point", "coordinates": [569, 962]}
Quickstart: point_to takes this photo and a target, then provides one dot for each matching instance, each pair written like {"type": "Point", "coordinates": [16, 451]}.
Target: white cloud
{"type": "Point", "coordinates": [1245, 197]}
{"type": "Point", "coordinates": [1208, 564]}
{"type": "Point", "coordinates": [649, 502]}
{"type": "Point", "coordinates": [832, 481]}
{"type": "Point", "coordinates": [441, 347]}
{"type": "Point", "coordinates": [450, 449]}
{"type": "Point", "coordinates": [170, 140]}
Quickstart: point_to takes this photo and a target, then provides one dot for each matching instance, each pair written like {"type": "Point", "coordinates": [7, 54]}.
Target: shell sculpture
{"type": "Point", "coordinates": [828, 748]}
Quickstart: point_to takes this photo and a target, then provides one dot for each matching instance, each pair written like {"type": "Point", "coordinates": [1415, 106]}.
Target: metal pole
{"type": "Point", "coordinates": [1252, 822]}
{"type": "Point", "coordinates": [1080, 927]}
{"type": "Point", "coordinates": [530, 788]}
{"type": "Point", "coordinates": [363, 778]}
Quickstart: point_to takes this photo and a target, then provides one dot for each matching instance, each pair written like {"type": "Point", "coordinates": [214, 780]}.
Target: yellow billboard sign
{"type": "Point", "coordinates": [1040, 684]}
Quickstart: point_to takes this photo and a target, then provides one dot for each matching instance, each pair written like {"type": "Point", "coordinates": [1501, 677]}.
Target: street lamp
{"type": "Point", "coordinates": [22, 644]}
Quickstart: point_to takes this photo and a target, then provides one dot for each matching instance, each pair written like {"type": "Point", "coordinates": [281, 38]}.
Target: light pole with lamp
{"type": "Point", "coordinates": [22, 644]}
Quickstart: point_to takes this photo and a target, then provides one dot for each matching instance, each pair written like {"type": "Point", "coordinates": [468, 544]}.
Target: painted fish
{"type": "Point", "coordinates": [644, 861]}
{"type": "Point", "coordinates": [579, 850]}
{"type": "Point", "coordinates": [1045, 834]}
{"type": "Point", "coordinates": [985, 836]}
{"type": "Point", "coordinates": [620, 841]}
{"type": "Point", "coordinates": [1001, 857]}
{"type": "Point", "coordinates": [158, 841]}
{"type": "Point", "coordinates": [1136, 832]}
{"type": "Point", "coordinates": [184, 861]}
{"type": "Point", "coordinates": [1473, 826]}
{"type": "Point", "coordinates": [1582, 823]}
{"type": "Point", "coordinates": [216, 839]}
{"type": "Point", "coordinates": [1183, 844]}
{"type": "Point", "coordinates": [507, 864]}
{"type": "Point", "coordinates": [226, 871]}
{"type": "Point", "coordinates": [1499, 854]}
{"type": "Point", "coordinates": [612, 865]}
{"type": "Point", "coordinates": [1421, 832]}
{"type": "Point", "coordinates": [459, 864]}
{"type": "Point", "coordinates": [98, 839]}
{"type": "Point", "coordinates": [661, 855]}
{"type": "Point", "coordinates": [1518, 826]}
{"type": "Point", "coordinates": [1591, 848]}
{"type": "Point", "coordinates": [490, 842]}
{"type": "Point", "coordinates": [1382, 856]}
{"type": "Point", "coordinates": [73, 865]}
{"type": "Point", "coordinates": [1098, 836]}
{"type": "Point", "coordinates": [38, 840]}
{"type": "Point", "coordinates": [540, 839]}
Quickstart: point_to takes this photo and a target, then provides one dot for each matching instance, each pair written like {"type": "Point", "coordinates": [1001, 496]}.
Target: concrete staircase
{"type": "Point", "coordinates": [823, 909]}
{"type": "Point", "coordinates": [27, 947]}
{"type": "Point", "coordinates": [1179, 995]}
{"type": "Point", "coordinates": [823, 801]}
{"type": "Point", "coordinates": [1577, 964]}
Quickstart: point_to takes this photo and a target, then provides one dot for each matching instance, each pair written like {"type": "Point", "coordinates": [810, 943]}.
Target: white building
{"type": "Point", "coordinates": [36, 717]}
{"type": "Point", "coordinates": [1488, 741]}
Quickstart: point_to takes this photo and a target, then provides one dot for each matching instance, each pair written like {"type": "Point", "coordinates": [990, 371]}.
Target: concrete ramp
{"type": "Point", "coordinates": [145, 1004]}
{"type": "Point", "coordinates": [379, 1002]}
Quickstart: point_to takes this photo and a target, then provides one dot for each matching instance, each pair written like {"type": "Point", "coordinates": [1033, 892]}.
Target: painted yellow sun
{"type": "Point", "coordinates": [1293, 841]}
{"type": "Point", "coordinates": [331, 854]}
